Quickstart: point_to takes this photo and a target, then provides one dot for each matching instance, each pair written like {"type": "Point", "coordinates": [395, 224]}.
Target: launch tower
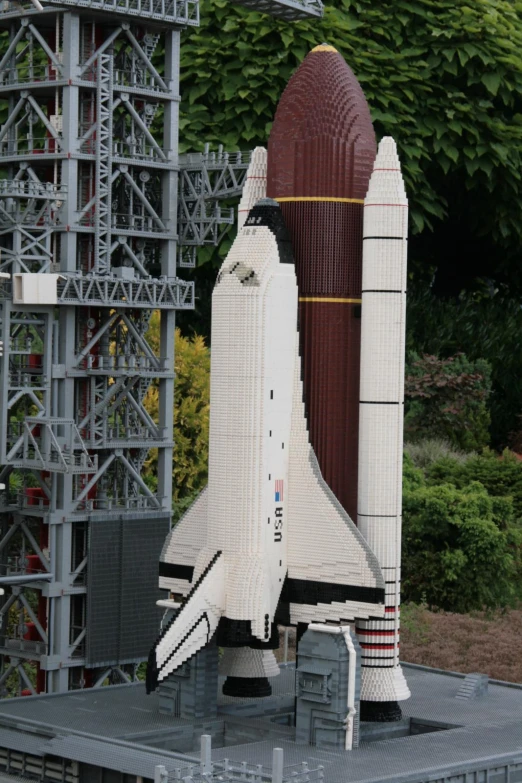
{"type": "Point", "coordinates": [89, 233]}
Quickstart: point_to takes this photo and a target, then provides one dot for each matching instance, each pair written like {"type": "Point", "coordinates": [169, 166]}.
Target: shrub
{"type": "Point", "coordinates": [460, 546]}
{"type": "Point", "coordinates": [425, 452]}
{"type": "Point", "coordinates": [191, 417]}
{"type": "Point", "coordinates": [487, 327]}
{"type": "Point", "coordinates": [447, 398]}
{"type": "Point", "coordinates": [501, 476]}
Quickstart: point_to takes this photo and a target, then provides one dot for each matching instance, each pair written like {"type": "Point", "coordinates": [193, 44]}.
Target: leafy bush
{"type": "Point", "coordinates": [424, 453]}
{"type": "Point", "coordinates": [461, 547]}
{"type": "Point", "coordinates": [446, 398]}
{"type": "Point", "coordinates": [501, 476]}
{"type": "Point", "coordinates": [191, 416]}
{"type": "Point", "coordinates": [487, 328]}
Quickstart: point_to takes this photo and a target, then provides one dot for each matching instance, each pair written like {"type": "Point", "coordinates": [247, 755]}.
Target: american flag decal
{"type": "Point", "coordinates": [279, 490]}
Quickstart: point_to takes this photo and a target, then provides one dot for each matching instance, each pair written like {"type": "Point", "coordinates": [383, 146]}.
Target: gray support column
{"type": "Point", "coordinates": [168, 258]}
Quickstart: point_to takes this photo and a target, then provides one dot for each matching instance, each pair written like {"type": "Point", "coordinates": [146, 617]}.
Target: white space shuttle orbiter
{"type": "Point", "coordinates": [266, 541]}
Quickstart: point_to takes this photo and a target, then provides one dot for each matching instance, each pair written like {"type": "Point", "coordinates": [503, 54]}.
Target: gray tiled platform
{"type": "Point", "coordinates": [425, 757]}
{"type": "Point", "coordinates": [122, 726]}
{"type": "Point", "coordinates": [125, 711]}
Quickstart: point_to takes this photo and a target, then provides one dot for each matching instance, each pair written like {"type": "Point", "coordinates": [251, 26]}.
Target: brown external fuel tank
{"type": "Point", "coordinates": [320, 156]}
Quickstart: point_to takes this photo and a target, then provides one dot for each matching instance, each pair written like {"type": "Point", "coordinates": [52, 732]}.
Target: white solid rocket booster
{"type": "Point", "coordinates": [381, 414]}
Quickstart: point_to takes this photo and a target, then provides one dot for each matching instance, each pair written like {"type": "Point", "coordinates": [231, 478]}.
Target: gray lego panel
{"type": "Point", "coordinates": [126, 711]}
{"type": "Point", "coordinates": [487, 733]}
{"type": "Point", "coordinates": [103, 592]}
{"type": "Point", "coordinates": [122, 619]}
{"type": "Point", "coordinates": [118, 712]}
{"type": "Point", "coordinates": [123, 758]}
{"type": "Point", "coordinates": [139, 618]}
{"type": "Point", "coordinates": [17, 740]}
{"type": "Point", "coordinates": [427, 757]}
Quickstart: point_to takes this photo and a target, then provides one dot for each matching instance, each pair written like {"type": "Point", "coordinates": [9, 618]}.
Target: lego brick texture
{"type": "Point", "coordinates": [194, 625]}
{"type": "Point", "coordinates": [255, 185]}
{"type": "Point", "coordinates": [383, 327]}
{"type": "Point", "coordinates": [265, 490]}
{"type": "Point", "coordinates": [182, 546]}
{"type": "Point", "coordinates": [191, 693]}
{"type": "Point", "coordinates": [333, 553]}
{"type": "Point", "coordinates": [487, 733]}
{"type": "Point", "coordinates": [322, 685]}
{"type": "Point", "coordinates": [122, 618]}
{"type": "Point", "coordinates": [322, 141]}
{"type": "Point", "coordinates": [320, 155]}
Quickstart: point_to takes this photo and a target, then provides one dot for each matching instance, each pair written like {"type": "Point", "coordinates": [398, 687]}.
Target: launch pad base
{"type": "Point", "coordinates": [450, 729]}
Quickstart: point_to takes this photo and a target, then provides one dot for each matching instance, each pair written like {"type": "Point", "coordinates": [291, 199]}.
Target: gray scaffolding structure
{"type": "Point", "coordinates": [94, 193]}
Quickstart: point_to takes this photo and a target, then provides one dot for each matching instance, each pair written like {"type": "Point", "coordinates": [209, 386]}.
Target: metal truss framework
{"type": "Point", "coordinates": [90, 188]}
{"type": "Point", "coordinates": [89, 156]}
{"type": "Point", "coordinates": [205, 180]}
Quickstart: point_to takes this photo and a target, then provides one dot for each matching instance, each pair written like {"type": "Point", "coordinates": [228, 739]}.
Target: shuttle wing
{"type": "Point", "coordinates": [182, 546]}
{"type": "Point", "coordinates": [193, 626]}
{"type": "Point", "coordinates": [333, 575]}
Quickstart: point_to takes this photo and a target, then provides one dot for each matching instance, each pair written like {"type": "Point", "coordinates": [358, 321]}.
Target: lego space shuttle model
{"type": "Point", "coordinates": [306, 426]}
{"type": "Point", "coordinates": [267, 541]}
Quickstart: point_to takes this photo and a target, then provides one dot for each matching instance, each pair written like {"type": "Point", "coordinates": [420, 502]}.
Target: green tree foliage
{"type": "Point", "coordinates": [501, 476]}
{"type": "Point", "coordinates": [444, 77]}
{"type": "Point", "coordinates": [447, 398]}
{"type": "Point", "coordinates": [191, 416]}
{"type": "Point", "coordinates": [480, 327]}
{"type": "Point", "coordinates": [461, 547]}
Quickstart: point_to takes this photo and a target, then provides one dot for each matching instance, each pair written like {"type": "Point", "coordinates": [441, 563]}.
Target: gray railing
{"type": "Point", "coordinates": [208, 771]}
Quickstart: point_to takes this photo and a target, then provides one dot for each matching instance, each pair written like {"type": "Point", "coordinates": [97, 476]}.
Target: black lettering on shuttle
{"type": "Point", "coordinates": [271, 394]}
{"type": "Point", "coordinates": [278, 525]}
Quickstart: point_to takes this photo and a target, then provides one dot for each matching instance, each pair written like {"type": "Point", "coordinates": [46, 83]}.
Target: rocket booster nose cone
{"type": "Point", "coordinates": [267, 213]}
{"type": "Point", "coordinates": [386, 183]}
{"type": "Point", "coordinates": [387, 146]}
{"type": "Point", "coordinates": [387, 157]}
